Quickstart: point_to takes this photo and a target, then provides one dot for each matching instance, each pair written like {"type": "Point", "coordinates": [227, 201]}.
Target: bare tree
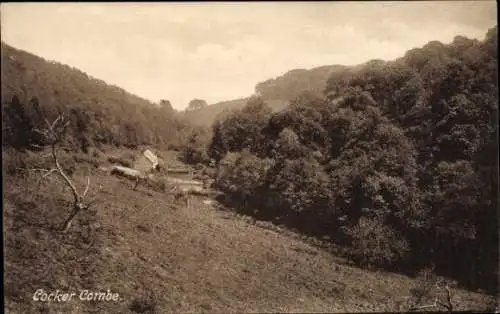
{"type": "Point", "coordinates": [53, 134]}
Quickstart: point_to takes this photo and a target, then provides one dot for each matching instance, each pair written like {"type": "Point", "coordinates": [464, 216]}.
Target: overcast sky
{"type": "Point", "coordinates": [219, 51]}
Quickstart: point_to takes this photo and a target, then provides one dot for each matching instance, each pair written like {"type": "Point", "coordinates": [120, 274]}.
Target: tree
{"type": "Point", "coordinates": [53, 134]}
{"type": "Point", "coordinates": [18, 128]}
{"type": "Point", "coordinates": [299, 188]}
{"type": "Point", "coordinates": [196, 104]}
{"type": "Point", "coordinates": [288, 146]}
{"type": "Point", "coordinates": [194, 149]}
{"type": "Point", "coordinates": [242, 129]}
{"type": "Point", "coordinates": [166, 105]}
{"type": "Point", "coordinates": [304, 117]}
{"type": "Point", "coordinates": [372, 165]}
{"type": "Point", "coordinates": [243, 176]}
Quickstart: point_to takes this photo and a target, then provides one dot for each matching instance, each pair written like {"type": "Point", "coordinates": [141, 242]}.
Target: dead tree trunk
{"type": "Point", "coordinates": [53, 134]}
{"type": "Point", "coordinates": [69, 220]}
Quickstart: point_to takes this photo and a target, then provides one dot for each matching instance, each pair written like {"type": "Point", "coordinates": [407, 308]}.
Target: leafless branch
{"type": "Point", "coordinates": [42, 132]}
{"type": "Point", "coordinates": [50, 126]}
{"type": "Point", "coordinates": [449, 304]}
{"type": "Point", "coordinates": [49, 172]}
{"type": "Point", "coordinates": [55, 121]}
{"type": "Point", "coordinates": [94, 199]}
{"type": "Point", "coordinates": [172, 189]}
{"type": "Point", "coordinates": [87, 187]}
{"type": "Point", "coordinates": [53, 134]}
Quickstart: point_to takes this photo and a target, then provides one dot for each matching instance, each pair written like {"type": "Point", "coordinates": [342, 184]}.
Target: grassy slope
{"type": "Point", "coordinates": [146, 246]}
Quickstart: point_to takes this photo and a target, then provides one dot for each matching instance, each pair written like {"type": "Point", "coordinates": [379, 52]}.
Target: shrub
{"type": "Point", "coordinates": [194, 147]}
{"type": "Point", "coordinates": [242, 175]}
{"type": "Point", "coordinates": [96, 153]}
{"type": "Point", "coordinates": [13, 161]}
{"type": "Point", "coordinates": [241, 129]}
{"type": "Point", "coordinates": [376, 244]}
{"type": "Point", "coordinates": [89, 160]}
{"type": "Point", "coordinates": [193, 155]}
{"type": "Point", "coordinates": [158, 185]}
{"type": "Point", "coordinates": [125, 160]}
{"type": "Point", "coordinates": [175, 147]}
{"type": "Point", "coordinates": [300, 186]}
{"type": "Point", "coordinates": [43, 160]}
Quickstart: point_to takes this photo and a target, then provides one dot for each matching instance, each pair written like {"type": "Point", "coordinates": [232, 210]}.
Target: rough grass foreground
{"type": "Point", "coordinates": [161, 256]}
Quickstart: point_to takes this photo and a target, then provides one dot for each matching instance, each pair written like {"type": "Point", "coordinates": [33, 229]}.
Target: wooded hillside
{"type": "Point", "coordinates": [277, 92]}
{"type": "Point", "coordinates": [397, 161]}
{"type": "Point", "coordinates": [99, 113]}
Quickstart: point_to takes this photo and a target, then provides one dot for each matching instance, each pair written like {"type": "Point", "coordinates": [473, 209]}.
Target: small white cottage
{"type": "Point", "coordinates": [147, 161]}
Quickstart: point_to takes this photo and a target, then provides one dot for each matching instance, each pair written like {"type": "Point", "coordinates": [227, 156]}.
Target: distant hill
{"type": "Point", "coordinates": [290, 85]}
{"type": "Point", "coordinates": [277, 92]}
{"type": "Point", "coordinates": [100, 113]}
{"type": "Point", "coordinates": [206, 116]}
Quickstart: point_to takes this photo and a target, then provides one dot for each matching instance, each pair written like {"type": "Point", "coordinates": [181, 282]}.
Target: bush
{"type": "Point", "coordinates": [376, 244]}
{"type": "Point", "coordinates": [175, 147]}
{"type": "Point", "coordinates": [300, 186]}
{"type": "Point", "coordinates": [194, 149]}
{"type": "Point", "coordinates": [210, 172]}
{"type": "Point", "coordinates": [89, 160]}
{"type": "Point", "coordinates": [193, 155]}
{"type": "Point", "coordinates": [96, 154]}
{"type": "Point", "coordinates": [125, 160]}
{"type": "Point", "coordinates": [16, 161]}
{"type": "Point", "coordinates": [242, 129]}
{"type": "Point", "coordinates": [13, 161]}
{"type": "Point", "coordinates": [158, 185]}
{"type": "Point", "coordinates": [242, 175]}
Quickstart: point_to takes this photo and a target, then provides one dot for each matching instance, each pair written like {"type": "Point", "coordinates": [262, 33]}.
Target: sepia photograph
{"type": "Point", "coordinates": [250, 157]}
